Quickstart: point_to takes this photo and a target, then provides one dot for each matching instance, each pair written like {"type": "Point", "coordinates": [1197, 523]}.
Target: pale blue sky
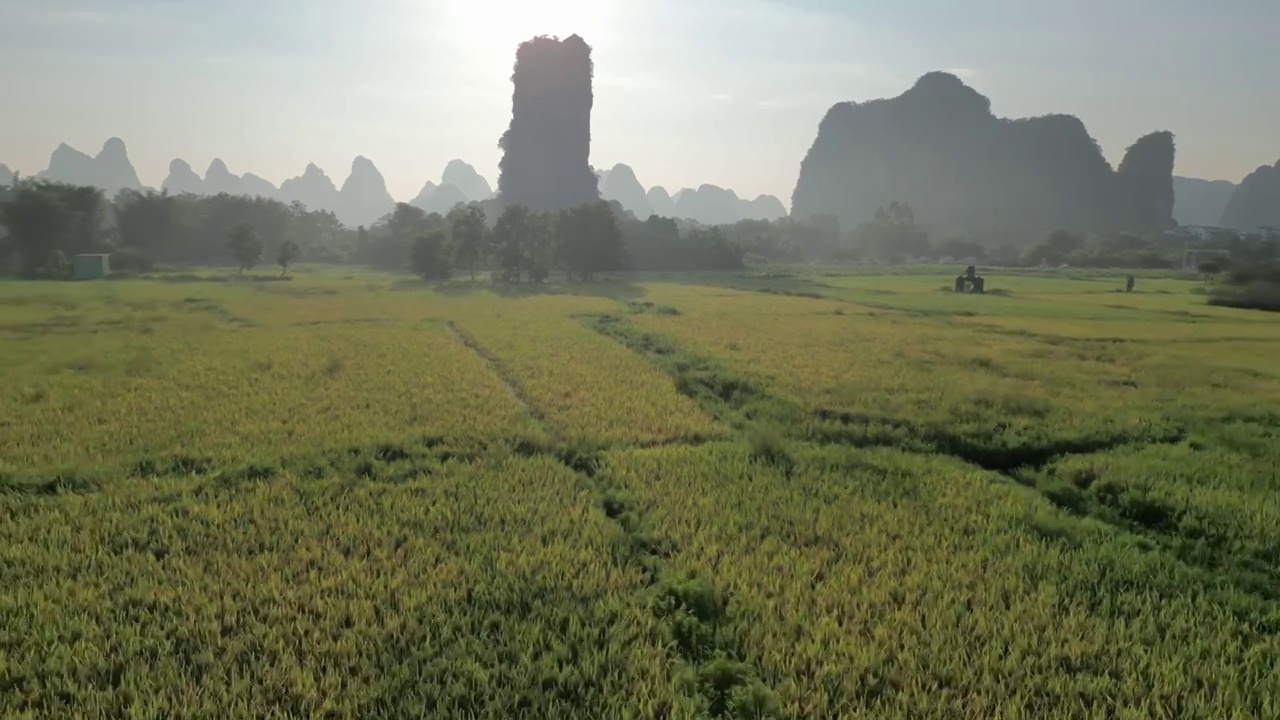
{"type": "Point", "coordinates": [728, 92]}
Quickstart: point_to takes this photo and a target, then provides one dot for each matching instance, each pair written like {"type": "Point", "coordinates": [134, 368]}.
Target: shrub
{"type": "Point", "coordinates": [1257, 295]}
{"type": "Point", "coordinates": [130, 259]}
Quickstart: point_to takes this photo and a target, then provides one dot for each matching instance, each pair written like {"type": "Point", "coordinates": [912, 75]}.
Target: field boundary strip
{"type": "Point", "coordinates": [495, 366]}
{"type": "Point", "coordinates": [746, 407]}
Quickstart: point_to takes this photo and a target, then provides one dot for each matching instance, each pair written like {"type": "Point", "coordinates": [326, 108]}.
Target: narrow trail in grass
{"type": "Point", "coordinates": [506, 378]}
{"type": "Point", "coordinates": [688, 610]}
{"type": "Point", "coordinates": [747, 407]}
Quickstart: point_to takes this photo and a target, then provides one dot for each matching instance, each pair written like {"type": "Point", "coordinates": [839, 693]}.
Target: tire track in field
{"type": "Point", "coordinates": [495, 366]}
{"type": "Point", "coordinates": [705, 381]}
{"type": "Point", "coordinates": [678, 602]}
{"type": "Point", "coordinates": [675, 602]}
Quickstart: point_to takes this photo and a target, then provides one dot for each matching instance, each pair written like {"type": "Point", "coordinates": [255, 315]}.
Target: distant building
{"type": "Point", "coordinates": [1203, 232]}
{"type": "Point", "coordinates": [90, 267]}
{"type": "Point", "coordinates": [1206, 232]}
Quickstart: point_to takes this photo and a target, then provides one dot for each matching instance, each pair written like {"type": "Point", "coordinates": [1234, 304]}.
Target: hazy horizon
{"type": "Point", "coordinates": [685, 93]}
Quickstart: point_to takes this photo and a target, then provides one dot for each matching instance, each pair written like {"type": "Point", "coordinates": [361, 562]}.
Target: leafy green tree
{"type": "Point", "coordinates": [539, 256]}
{"type": "Point", "coordinates": [389, 244]}
{"type": "Point", "coordinates": [150, 223]}
{"type": "Point", "coordinates": [1211, 267]}
{"type": "Point", "coordinates": [39, 223]}
{"type": "Point", "coordinates": [318, 233]}
{"type": "Point", "coordinates": [959, 248]}
{"type": "Point", "coordinates": [87, 210]}
{"type": "Point", "coordinates": [245, 245]}
{"type": "Point", "coordinates": [893, 235]}
{"type": "Point", "coordinates": [429, 258]}
{"type": "Point", "coordinates": [467, 228]}
{"type": "Point", "coordinates": [1055, 249]}
{"type": "Point", "coordinates": [287, 253]}
{"type": "Point", "coordinates": [511, 240]}
{"type": "Point", "coordinates": [589, 240]}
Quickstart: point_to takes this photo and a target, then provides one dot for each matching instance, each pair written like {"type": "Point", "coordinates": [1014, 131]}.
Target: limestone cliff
{"type": "Point", "coordinates": [1256, 202]}
{"type": "Point", "coordinates": [182, 179]}
{"type": "Point", "coordinates": [1200, 202]}
{"type": "Point", "coordinates": [620, 184]}
{"type": "Point", "coordinates": [939, 147]}
{"type": "Point", "coordinates": [546, 161]}
{"type": "Point", "coordinates": [363, 199]}
{"type": "Point", "coordinates": [111, 171]}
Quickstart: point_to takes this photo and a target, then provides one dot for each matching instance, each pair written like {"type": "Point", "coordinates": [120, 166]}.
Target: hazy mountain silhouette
{"type": "Point", "coordinates": [601, 176]}
{"type": "Point", "coordinates": [660, 203]}
{"type": "Point", "coordinates": [253, 185]}
{"type": "Point", "coordinates": [182, 179]}
{"type": "Point", "coordinates": [109, 171]}
{"type": "Point", "coordinates": [709, 205]}
{"type": "Point", "coordinates": [6, 175]}
{"type": "Point", "coordinates": [463, 176]}
{"type": "Point", "coordinates": [313, 188]}
{"type": "Point", "coordinates": [939, 148]}
{"type": "Point", "coordinates": [1256, 202]}
{"type": "Point", "coordinates": [69, 165]}
{"type": "Point", "coordinates": [218, 179]}
{"type": "Point", "coordinates": [424, 195]}
{"type": "Point", "coordinates": [1146, 184]}
{"type": "Point", "coordinates": [547, 148]}
{"type": "Point", "coordinates": [363, 199]}
{"type": "Point", "coordinates": [439, 199]}
{"type": "Point", "coordinates": [764, 207]}
{"type": "Point", "coordinates": [1200, 202]}
{"type": "Point", "coordinates": [621, 184]}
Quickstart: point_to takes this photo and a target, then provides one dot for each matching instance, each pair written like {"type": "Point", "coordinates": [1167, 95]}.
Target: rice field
{"type": "Point", "coordinates": [803, 495]}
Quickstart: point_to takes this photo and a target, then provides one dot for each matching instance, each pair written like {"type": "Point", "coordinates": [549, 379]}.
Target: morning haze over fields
{"type": "Point", "coordinates": [580, 360]}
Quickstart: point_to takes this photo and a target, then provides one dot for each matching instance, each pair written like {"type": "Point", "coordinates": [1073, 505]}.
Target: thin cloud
{"type": "Point", "coordinates": [963, 72]}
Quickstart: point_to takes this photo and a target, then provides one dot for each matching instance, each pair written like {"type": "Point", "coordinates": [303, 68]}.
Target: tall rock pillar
{"type": "Point", "coordinates": [547, 149]}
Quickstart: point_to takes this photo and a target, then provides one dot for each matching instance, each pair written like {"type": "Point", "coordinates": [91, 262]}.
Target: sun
{"type": "Point", "coordinates": [499, 26]}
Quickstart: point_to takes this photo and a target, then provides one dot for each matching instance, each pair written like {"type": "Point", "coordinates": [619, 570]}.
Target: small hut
{"type": "Point", "coordinates": [90, 267]}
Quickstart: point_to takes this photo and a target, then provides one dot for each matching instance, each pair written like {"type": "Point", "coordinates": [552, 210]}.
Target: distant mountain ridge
{"type": "Point", "coordinates": [709, 204]}
{"type": "Point", "coordinates": [312, 188]}
{"type": "Point", "coordinates": [939, 148]}
{"type": "Point", "coordinates": [363, 198]}
{"type": "Point", "coordinates": [1255, 203]}
{"type": "Point", "coordinates": [109, 170]}
{"type": "Point", "coordinates": [6, 175]}
{"type": "Point", "coordinates": [1200, 202]}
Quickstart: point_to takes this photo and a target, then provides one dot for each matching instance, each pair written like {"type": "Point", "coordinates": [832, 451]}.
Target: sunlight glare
{"type": "Point", "coordinates": [499, 26]}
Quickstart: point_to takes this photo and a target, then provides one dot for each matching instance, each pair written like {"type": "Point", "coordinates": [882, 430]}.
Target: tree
{"type": "Point", "coordinates": [539, 254]}
{"type": "Point", "coordinates": [288, 251]}
{"type": "Point", "coordinates": [318, 233]}
{"type": "Point", "coordinates": [1054, 249]}
{"type": "Point", "coordinates": [960, 249]}
{"type": "Point", "coordinates": [86, 209]}
{"type": "Point", "coordinates": [389, 244]}
{"type": "Point", "coordinates": [589, 240]}
{"type": "Point", "coordinates": [1211, 267]}
{"type": "Point", "coordinates": [428, 257]}
{"type": "Point", "coordinates": [245, 245]}
{"type": "Point", "coordinates": [149, 222]}
{"type": "Point", "coordinates": [893, 235]}
{"type": "Point", "coordinates": [511, 239]}
{"type": "Point", "coordinates": [39, 223]}
{"type": "Point", "coordinates": [467, 227]}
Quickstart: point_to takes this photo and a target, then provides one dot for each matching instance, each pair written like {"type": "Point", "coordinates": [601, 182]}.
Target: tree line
{"type": "Point", "coordinates": [42, 224]}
